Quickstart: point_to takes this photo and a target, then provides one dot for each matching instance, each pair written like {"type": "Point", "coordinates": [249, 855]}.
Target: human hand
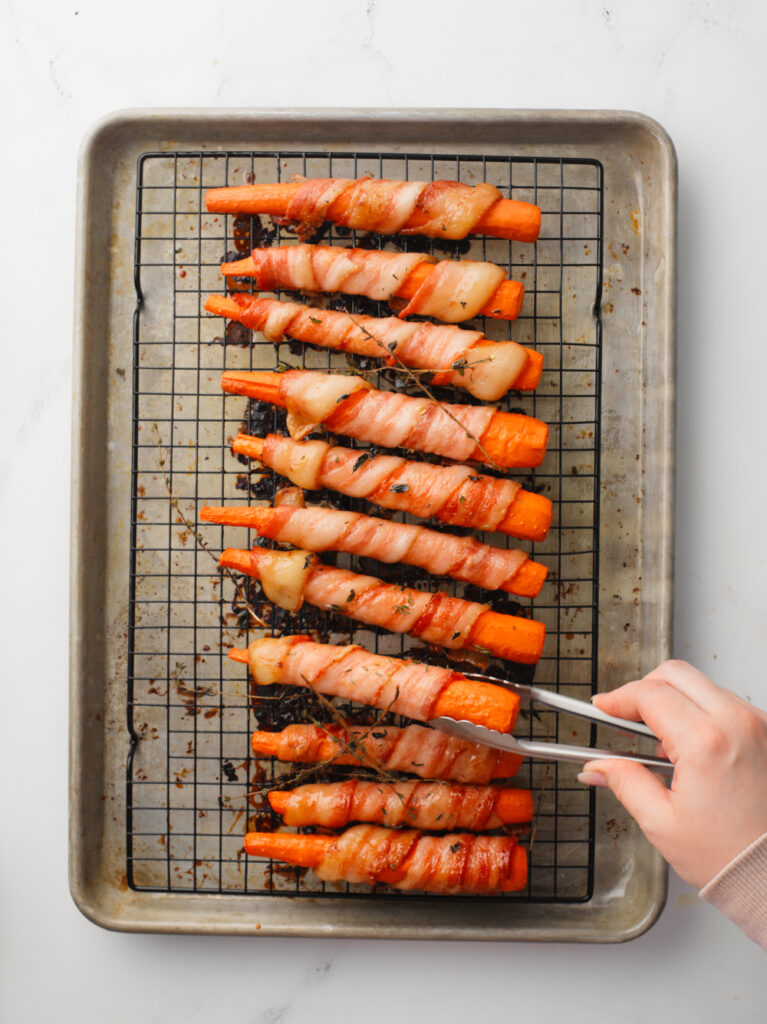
{"type": "Point", "coordinates": [717, 803]}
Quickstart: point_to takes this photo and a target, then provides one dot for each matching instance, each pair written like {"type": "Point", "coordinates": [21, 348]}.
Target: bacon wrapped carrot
{"type": "Point", "coordinates": [453, 494]}
{"type": "Point", "coordinates": [438, 209]}
{"type": "Point", "coordinates": [439, 806]}
{"type": "Point", "coordinates": [466, 359]}
{"type": "Point", "coordinates": [289, 578]}
{"type": "Point", "coordinates": [415, 749]}
{"type": "Point", "coordinates": [402, 686]}
{"type": "Point", "coordinates": [350, 405]}
{"type": "Point", "coordinates": [459, 862]}
{"type": "Point", "coordinates": [442, 554]}
{"type": "Point", "coordinates": [450, 290]}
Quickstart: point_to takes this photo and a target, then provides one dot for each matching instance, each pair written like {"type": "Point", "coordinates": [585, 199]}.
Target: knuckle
{"type": "Point", "coordinates": [747, 726]}
{"type": "Point", "coordinates": [651, 687]}
{"type": "Point", "coordinates": [711, 741]}
{"type": "Point", "coordinates": [672, 665]}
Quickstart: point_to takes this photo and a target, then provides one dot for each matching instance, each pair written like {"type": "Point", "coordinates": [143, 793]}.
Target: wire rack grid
{"type": "Point", "coordinates": [193, 785]}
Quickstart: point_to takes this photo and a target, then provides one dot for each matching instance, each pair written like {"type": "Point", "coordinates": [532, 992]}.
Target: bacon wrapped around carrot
{"type": "Point", "coordinates": [466, 359]}
{"type": "Point", "coordinates": [438, 209]}
{"type": "Point", "coordinates": [415, 749]}
{"type": "Point", "coordinates": [442, 554]}
{"type": "Point", "coordinates": [402, 686]}
{"type": "Point", "coordinates": [289, 578]}
{"type": "Point", "coordinates": [350, 405]}
{"type": "Point", "coordinates": [453, 494]}
{"type": "Point", "coordinates": [450, 290]}
{"type": "Point", "coordinates": [439, 806]}
{"type": "Point", "coordinates": [459, 862]}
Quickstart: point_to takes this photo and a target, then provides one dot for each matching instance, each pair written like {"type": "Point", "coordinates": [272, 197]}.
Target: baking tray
{"type": "Point", "coordinates": [633, 325]}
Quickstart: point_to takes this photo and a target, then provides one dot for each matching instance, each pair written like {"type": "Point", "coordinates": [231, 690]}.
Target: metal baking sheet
{"type": "Point", "coordinates": [623, 887]}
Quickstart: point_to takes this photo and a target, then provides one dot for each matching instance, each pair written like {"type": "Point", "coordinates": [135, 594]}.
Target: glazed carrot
{"type": "Point", "coordinates": [349, 405]}
{"type": "Point", "coordinates": [439, 806]}
{"type": "Point", "coordinates": [449, 290]}
{"type": "Point", "coordinates": [402, 686]}
{"type": "Point", "coordinates": [475, 701]}
{"type": "Point", "coordinates": [441, 209]}
{"type": "Point", "coordinates": [327, 529]}
{"type": "Point", "coordinates": [290, 578]}
{"type": "Point", "coordinates": [463, 358]}
{"type": "Point", "coordinates": [452, 494]}
{"type": "Point", "coordinates": [405, 859]}
{"type": "Point", "coordinates": [414, 749]}
{"type": "Point", "coordinates": [307, 853]}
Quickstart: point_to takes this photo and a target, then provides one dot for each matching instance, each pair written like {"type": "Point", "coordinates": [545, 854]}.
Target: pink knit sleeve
{"type": "Point", "coordinates": [740, 891]}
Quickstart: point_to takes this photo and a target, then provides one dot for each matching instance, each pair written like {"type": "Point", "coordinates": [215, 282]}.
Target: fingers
{"type": "Point", "coordinates": [669, 713]}
{"type": "Point", "coordinates": [692, 683]}
{"type": "Point", "coordinates": [640, 791]}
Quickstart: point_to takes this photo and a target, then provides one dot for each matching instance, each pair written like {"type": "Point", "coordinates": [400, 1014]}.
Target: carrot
{"type": "Point", "coordinates": [508, 439]}
{"type": "Point", "coordinates": [505, 218]}
{"type": "Point", "coordinates": [279, 801]}
{"type": "Point", "coordinates": [463, 558]}
{"type": "Point", "coordinates": [515, 805]}
{"type": "Point", "coordinates": [529, 516]}
{"type": "Point", "coordinates": [403, 858]}
{"type": "Point", "coordinates": [223, 305]}
{"type": "Point", "coordinates": [478, 702]}
{"type": "Point", "coordinates": [252, 447]}
{"type": "Point", "coordinates": [437, 806]}
{"type": "Point", "coordinates": [509, 636]}
{"type": "Point", "coordinates": [412, 749]}
{"type": "Point", "coordinates": [305, 851]}
{"type": "Point", "coordinates": [402, 686]}
{"type": "Point", "coordinates": [502, 300]}
{"type": "Point", "coordinates": [466, 359]}
{"type": "Point", "coordinates": [435, 617]}
{"type": "Point", "coordinates": [481, 502]}
{"type": "Point", "coordinates": [530, 377]}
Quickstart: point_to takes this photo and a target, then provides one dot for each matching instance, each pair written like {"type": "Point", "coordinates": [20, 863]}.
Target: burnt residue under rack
{"type": "Point", "coordinates": [191, 775]}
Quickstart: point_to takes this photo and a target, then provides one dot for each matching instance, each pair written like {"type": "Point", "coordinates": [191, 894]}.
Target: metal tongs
{"type": "Point", "coordinates": [551, 751]}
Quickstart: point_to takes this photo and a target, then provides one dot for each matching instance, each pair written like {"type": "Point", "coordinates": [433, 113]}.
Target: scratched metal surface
{"type": "Point", "coordinates": [210, 892]}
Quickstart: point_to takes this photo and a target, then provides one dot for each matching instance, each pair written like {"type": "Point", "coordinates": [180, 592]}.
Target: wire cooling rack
{"type": "Point", "coordinates": [193, 786]}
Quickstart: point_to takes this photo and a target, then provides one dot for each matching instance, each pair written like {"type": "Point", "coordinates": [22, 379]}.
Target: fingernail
{"type": "Point", "coordinates": [592, 779]}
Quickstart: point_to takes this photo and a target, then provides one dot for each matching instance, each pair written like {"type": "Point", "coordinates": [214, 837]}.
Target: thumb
{"type": "Point", "coordinates": [639, 790]}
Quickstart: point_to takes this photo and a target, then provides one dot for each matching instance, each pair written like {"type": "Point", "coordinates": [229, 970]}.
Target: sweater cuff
{"type": "Point", "coordinates": [739, 891]}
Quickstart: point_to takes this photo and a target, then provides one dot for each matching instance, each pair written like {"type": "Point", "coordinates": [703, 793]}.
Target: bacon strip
{"type": "Point", "coordinates": [453, 494]}
{"type": "Point", "coordinates": [436, 618]}
{"type": "Point", "coordinates": [348, 404]}
{"type": "Point", "coordinates": [424, 805]}
{"type": "Point", "coordinates": [449, 290]}
{"type": "Point", "coordinates": [404, 687]}
{"type": "Point", "coordinates": [414, 749]}
{"type": "Point", "coordinates": [442, 554]}
{"type": "Point", "coordinates": [461, 358]}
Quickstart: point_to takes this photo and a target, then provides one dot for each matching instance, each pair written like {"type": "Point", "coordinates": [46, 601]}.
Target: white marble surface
{"type": "Point", "coordinates": [697, 67]}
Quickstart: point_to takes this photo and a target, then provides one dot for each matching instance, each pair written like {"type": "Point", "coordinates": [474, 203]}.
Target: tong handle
{"type": "Point", "coordinates": [583, 709]}
{"type": "Point", "coordinates": [573, 706]}
{"type": "Point", "coordinates": [579, 755]}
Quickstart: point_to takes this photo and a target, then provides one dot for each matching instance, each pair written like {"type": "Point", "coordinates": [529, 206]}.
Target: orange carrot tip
{"type": "Point", "coordinates": [306, 851]}
{"type": "Point", "coordinates": [279, 800]}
